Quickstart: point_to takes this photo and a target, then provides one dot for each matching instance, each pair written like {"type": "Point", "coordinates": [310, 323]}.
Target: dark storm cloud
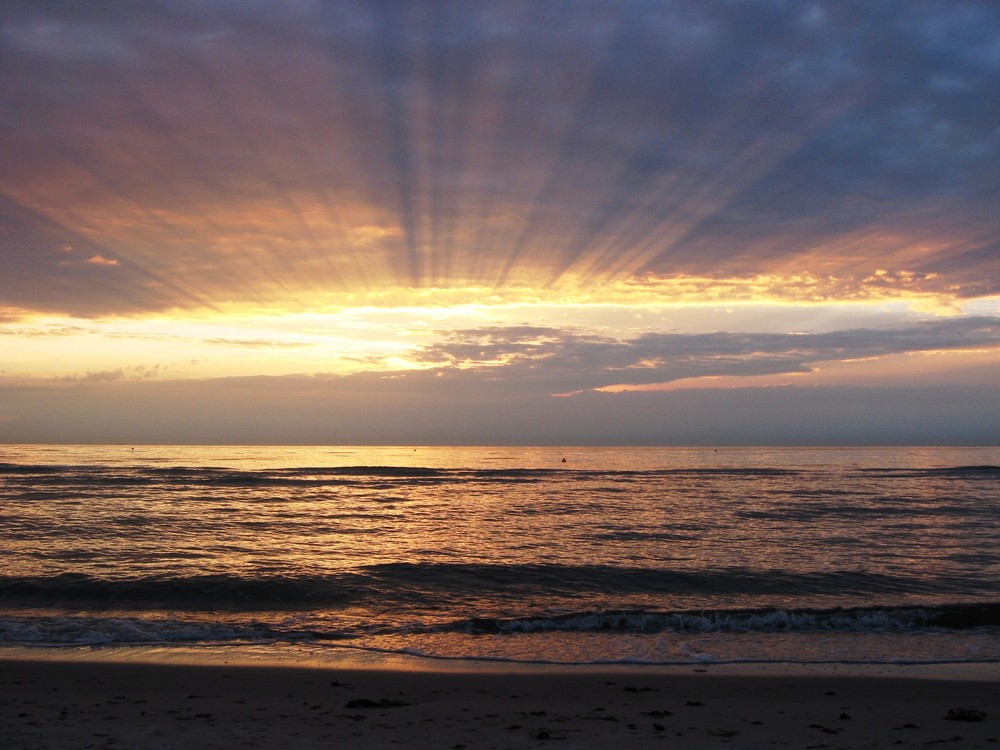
{"type": "Point", "coordinates": [568, 361]}
{"type": "Point", "coordinates": [228, 150]}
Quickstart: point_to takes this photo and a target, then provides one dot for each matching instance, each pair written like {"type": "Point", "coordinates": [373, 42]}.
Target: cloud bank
{"type": "Point", "coordinates": [498, 385]}
{"type": "Point", "coordinates": [571, 361]}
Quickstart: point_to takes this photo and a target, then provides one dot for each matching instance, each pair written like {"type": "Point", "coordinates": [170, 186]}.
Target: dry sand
{"type": "Point", "coordinates": [74, 703]}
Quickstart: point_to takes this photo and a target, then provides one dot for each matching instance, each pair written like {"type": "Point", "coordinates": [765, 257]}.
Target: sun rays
{"type": "Point", "coordinates": [493, 203]}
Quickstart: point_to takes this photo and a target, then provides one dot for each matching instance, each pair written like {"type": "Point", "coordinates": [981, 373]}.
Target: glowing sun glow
{"type": "Point", "coordinates": [438, 211]}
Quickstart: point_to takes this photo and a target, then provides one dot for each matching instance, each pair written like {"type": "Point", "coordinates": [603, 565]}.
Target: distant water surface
{"type": "Point", "coordinates": [660, 555]}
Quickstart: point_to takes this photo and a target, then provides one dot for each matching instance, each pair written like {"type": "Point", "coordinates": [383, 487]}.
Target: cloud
{"type": "Point", "coordinates": [131, 372]}
{"type": "Point", "coordinates": [566, 360]}
{"type": "Point", "coordinates": [259, 151]}
{"type": "Point", "coordinates": [100, 260]}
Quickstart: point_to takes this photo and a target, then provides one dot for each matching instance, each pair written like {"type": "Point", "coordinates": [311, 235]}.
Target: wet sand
{"type": "Point", "coordinates": [79, 703]}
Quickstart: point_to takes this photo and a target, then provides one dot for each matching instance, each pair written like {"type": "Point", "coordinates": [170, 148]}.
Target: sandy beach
{"type": "Point", "coordinates": [83, 703]}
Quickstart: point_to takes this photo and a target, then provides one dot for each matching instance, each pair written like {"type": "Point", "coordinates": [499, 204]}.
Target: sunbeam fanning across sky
{"type": "Point", "coordinates": [534, 222]}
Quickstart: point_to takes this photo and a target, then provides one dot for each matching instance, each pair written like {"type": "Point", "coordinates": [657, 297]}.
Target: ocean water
{"type": "Point", "coordinates": [567, 555]}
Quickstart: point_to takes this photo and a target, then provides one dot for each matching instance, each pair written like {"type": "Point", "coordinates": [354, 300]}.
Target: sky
{"type": "Point", "coordinates": [543, 222]}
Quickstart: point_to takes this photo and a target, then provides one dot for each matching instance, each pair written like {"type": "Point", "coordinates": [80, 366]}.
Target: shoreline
{"type": "Point", "coordinates": [118, 698]}
{"type": "Point", "coordinates": [360, 659]}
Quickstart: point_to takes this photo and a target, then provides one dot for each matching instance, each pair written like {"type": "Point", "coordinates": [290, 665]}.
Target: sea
{"type": "Point", "coordinates": [555, 555]}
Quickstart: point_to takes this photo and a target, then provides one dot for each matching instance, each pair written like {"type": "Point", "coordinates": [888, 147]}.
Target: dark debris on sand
{"type": "Point", "coordinates": [965, 714]}
{"type": "Point", "coordinates": [380, 703]}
